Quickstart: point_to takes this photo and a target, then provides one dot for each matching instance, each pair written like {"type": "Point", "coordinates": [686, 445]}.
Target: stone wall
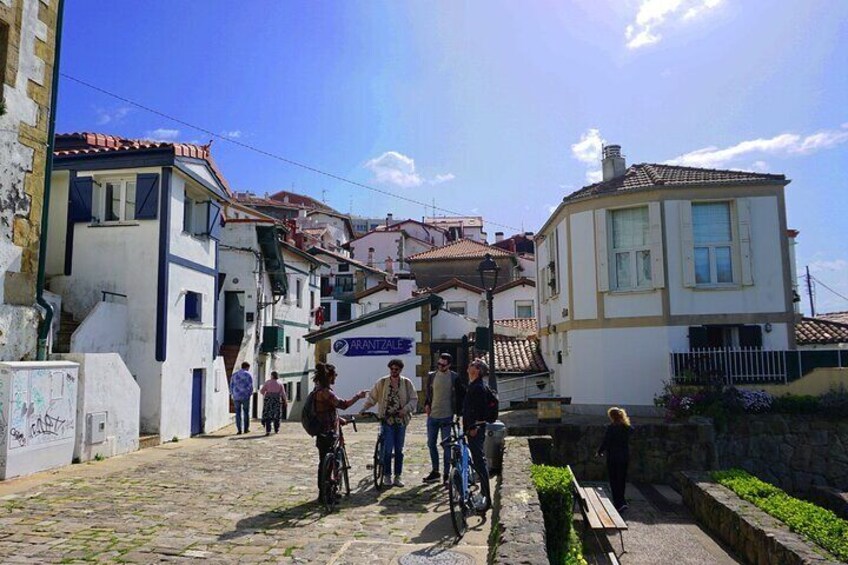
{"type": "Point", "coordinates": [749, 531]}
{"type": "Point", "coordinates": [517, 516]}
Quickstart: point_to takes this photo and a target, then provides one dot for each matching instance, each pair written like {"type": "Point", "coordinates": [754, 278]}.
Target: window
{"type": "Point", "coordinates": [288, 344]}
{"type": "Point", "coordinates": [113, 201]}
{"type": "Point", "coordinates": [553, 264]}
{"type": "Point", "coordinates": [297, 392]}
{"type": "Point", "coordinates": [456, 307]}
{"type": "Point", "coordinates": [298, 345]}
{"type": "Point", "coordinates": [631, 252]}
{"type": "Point", "coordinates": [311, 300]}
{"type": "Point", "coordinates": [713, 237]}
{"type": "Point", "coordinates": [524, 309]}
{"type": "Point", "coordinates": [343, 268]}
{"type": "Point", "coordinates": [192, 306]}
{"type": "Point", "coordinates": [299, 293]}
{"type": "Point", "coordinates": [725, 337]}
{"type": "Point", "coordinates": [344, 283]}
{"type": "Point", "coordinates": [188, 215]}
{"type": "Point", "coordinates": [342, 311]}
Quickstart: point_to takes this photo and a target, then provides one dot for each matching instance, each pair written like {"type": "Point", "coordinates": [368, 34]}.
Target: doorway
{"type": "Point", "coordinates": [197, 401]}
{"type": "Point", "coordinates": [233, 317]}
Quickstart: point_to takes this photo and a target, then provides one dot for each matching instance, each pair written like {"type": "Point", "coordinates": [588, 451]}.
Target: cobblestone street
{"type": "Point", "coordinates": [232, 499]}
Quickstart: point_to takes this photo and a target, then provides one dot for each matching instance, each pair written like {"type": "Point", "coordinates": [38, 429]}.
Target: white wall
{"type": "Point", "coordinates": [197, 249]}
{"type": "Point", "coordinates": [632, 304]}
{"type": "Point", "coordinates": [372, 301]}
{"type": "Point", "coordinates": [584, 278]}
{"type": "Point", "coordinates": [358, 373]}
{"type": "Point", "coordinates": [104, 330]}
{"type": "Point", "coordinates": [503, 305]}
{"type": "Point", "coordinates": [385, 244]}
{"type": "Point", "coordinates": [105, 387]}
{"type": "Point", "coordinates": [447, 325]}
{"type": "Point", "coordinates": [460, 294]}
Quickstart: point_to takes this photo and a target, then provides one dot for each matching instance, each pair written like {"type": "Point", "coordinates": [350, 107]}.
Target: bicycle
{"type": "Point", "coordinates": [463, 491]}
{"type": "Point", "coordinates": [335, 471]}
{"type": "Point", "coordinates": [377, 464]}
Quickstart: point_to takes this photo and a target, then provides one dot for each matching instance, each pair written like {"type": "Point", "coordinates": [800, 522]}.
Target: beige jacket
{"type": "Point", "coordinates": [379, 393]}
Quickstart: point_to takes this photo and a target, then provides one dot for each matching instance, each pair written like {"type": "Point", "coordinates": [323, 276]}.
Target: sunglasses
{"type": "Point", "coordinates": [441, 364]}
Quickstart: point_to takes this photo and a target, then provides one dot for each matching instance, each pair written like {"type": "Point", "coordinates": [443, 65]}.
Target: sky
{"type": "Point", "coordinates": [488, 108]}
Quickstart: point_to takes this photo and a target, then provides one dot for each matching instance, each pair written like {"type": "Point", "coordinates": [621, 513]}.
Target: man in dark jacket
{"type": "Point", "coordinates": [474, 424]}
{"type": "Point", "coordinates": [441, 403]}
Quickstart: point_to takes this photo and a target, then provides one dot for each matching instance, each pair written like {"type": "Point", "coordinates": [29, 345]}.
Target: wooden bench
{"type": "Point", "coordinates": [598, 512]}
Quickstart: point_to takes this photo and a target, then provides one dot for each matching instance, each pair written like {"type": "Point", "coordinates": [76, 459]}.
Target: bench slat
{"type": "Point", "coordinates": [598, 507]}
{"type": "Point", "coordinates": [612, 558]}
{"type": "Point", "coordinates": [590, 512]}
{"type": "Point", "coordinates": [610, 509]}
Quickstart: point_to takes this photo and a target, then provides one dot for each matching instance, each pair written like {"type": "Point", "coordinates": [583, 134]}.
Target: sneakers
{"type": "Point", "coordinates": [398, 481]}
{"type": "Point", "coordinates": [433, 476]}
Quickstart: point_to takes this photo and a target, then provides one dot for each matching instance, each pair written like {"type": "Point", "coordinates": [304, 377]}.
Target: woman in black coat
{"type": "Point", "coordinates": [616, 445]}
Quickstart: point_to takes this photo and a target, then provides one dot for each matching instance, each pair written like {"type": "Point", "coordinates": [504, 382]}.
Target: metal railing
{"type": "Point", "coordinates": [524, 387]}
{"type": "Point", "coordinates": [106, 293]}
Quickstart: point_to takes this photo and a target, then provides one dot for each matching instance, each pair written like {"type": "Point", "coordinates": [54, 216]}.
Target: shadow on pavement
{"type": "Point", "coordinates": [409, 501]}
{"type": "Point", "coordinates": [280, 519]}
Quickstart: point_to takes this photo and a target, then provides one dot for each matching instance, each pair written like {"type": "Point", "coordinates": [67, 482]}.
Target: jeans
{"type": "Point", "coordinates": [478, 458]}
{"type": "Point", "coordinates": [434, 425]}
{"type": "Point", "coordinates": [242, 414]}
{"type": "Point", "coordinates": [324, 442]}
{"type": "Point", "coordinates": [394, 436]}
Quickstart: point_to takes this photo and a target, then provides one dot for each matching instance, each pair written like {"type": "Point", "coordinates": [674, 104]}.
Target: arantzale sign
{"type": "Point", "coordinates": [362, 346]}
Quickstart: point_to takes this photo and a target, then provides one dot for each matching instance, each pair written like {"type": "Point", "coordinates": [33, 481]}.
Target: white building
{"type": "Point", "coordinates": [460, 227]}
{"type": "Point", "coordinates": [657, 259]}
{"type": "Point", "coordinates": [341, 279]}
{"type": "Point", "coordinates": [389, 245]}
{"type": "Point", "coordinates": [133, 251]}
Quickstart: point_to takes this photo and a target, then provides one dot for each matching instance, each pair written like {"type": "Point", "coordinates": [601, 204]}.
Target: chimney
{"type": "Point", "coordinates": [498, 236]}
{"type": "Point", "coordinates": [301, 213]}
{"type": "Point", "coordinates": [613, 162]}
{"type": "Point", "coordinates": [370, 256]}
{"type": "Point", "coordinates": [390, 265]}
{"type": "Point", "coordinates": [388, 220]}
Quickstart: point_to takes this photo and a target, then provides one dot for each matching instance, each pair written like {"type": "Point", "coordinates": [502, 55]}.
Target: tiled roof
{"type": "Point", "coordinates": [88, 143]}
{"type": "Point", "coordinates": [527, 324]}
{"type": "Point", "coordinates": [454, 283]}
{"type": "Point", "coordinates": [298, 200]}
{"type": "Point", "coordinates": [466, 221]}
{"type": "Point", "coordinates": [649, 175]}
{"type": "Point", "coordinates": [382, 285]}
{"type": "Point", "coordinates": [460, 249]}
{"type": "Point", "coordinates": [518, 355]}
{"type": "Point", "coordinates": [517, 282]}
{"type": "Point", "coordinates": [815, 331]}
{"type": "Point", "coordinates": [841, 317]}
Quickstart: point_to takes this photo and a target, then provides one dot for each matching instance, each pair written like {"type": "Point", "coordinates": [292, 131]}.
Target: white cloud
{"type": "Point", "coordinates": [234, 134]}
{"type": "Point", "coordinates": [162, 134]}
{"type": "Point", "coordinates": [106, 116]}
{"type": "Point", "coordinates": [398, 169]}
{"type": "Point", "coordinates": [785, 144]}
{"type": "Point", "coordinates": [588, 151]}
{"type": "Point", "coordinates": [760, 166]}
{"type": "Point", "coordinates": [655, 14]}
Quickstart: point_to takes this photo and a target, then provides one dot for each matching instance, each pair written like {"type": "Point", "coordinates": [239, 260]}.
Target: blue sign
{"type": "Point", "coordinates": [361, 346]}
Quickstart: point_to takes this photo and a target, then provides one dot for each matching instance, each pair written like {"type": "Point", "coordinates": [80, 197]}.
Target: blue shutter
{"type": "Point", "coordinates": [79, 199]}
{"type": "Point", "coordinates": [213, 217]}
{"type": "Point", "coordinates": [146, 196]}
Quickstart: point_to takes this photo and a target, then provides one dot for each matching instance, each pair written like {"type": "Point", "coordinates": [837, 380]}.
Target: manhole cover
{"type": "Point", "coordinates": [435, 557]}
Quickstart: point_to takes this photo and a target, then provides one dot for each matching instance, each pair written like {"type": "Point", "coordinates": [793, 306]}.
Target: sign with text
{"type": "Point", "coordinates": [362, 346]}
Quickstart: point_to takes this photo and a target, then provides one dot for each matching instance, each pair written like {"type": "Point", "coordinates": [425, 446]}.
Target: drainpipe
{"type": "Point", "coordinates": [44, 328]}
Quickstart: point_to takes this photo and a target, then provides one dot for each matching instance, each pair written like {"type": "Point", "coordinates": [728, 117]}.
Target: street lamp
{"type": "Point", "coordinates": [488, 270]}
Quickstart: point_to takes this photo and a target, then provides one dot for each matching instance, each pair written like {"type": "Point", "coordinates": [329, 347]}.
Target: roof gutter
{"type": "Point", "coordinates": [44, 327]}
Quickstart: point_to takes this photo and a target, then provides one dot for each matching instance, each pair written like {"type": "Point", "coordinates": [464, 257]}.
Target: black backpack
{"type": "Point", "coordinates": [491, 412]}
{"type": "Point", "coordinates": [309, 416]}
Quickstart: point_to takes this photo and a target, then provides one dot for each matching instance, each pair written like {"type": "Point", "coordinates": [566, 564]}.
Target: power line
{"type": "Point", "coordinates": [843, 297]}
{"type": "Point", "coordinates": [264, 152]}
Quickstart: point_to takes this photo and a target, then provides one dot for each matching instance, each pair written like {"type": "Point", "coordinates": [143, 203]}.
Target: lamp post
{"type": "Point", "coordinates": [488, 270]}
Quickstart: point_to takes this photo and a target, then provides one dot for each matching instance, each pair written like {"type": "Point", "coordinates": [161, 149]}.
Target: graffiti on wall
{"type": "Point", "coordinates": [43, 408]}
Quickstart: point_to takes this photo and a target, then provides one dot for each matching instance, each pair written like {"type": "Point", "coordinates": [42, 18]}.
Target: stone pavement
{"type": "Point", "coordinates": [233, 499]}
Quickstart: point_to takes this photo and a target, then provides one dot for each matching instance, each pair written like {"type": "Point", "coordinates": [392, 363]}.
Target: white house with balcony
{"type": "Point", "coordinates": [341, 279]}
{"type": "Point", "coordinates": [133, 251]}
{"type": "Point", "coordinates": [657, 261]}
{"type": "Point", "coordinates": [388, 246]}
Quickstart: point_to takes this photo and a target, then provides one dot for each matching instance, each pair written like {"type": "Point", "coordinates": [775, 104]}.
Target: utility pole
{"type": "Point", "coordinates": [810, 293]}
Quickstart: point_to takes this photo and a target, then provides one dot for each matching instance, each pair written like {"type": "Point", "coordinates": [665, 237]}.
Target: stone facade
{"type": "Point", "coordinates": [750, 532]}
{"type": "Point", "coordinates": [517, 511]}
{"type": "Point", "coordinates": [28, 31]}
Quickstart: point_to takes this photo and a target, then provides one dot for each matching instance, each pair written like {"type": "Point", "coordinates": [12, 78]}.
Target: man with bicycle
{"type": "Point", "coordinates": [440, 404]}
{"type": "Point", "coordinates": [474, 424]}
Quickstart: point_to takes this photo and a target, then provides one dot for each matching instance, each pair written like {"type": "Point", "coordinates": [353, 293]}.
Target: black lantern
{"type": "Point", "coordinates": [488, 270]}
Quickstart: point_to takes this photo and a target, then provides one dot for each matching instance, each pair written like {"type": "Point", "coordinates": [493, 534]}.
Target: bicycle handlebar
{"type": "Point", "coordinates": [454, 439]}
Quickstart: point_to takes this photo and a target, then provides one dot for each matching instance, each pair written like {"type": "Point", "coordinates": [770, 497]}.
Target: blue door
{"type": "Point", "coordinates": [196, 402]}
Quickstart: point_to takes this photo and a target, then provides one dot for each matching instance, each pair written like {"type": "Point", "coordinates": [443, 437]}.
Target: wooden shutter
{"type": "Point", "coordinates": [743, 213]}
{"type": "Point", "coordinates": [146, 196]}
{"type": "Point", "coordinates": [602, 258]}
{"type": "Point", "coordinates": [656, 242]}
{"type": "Point", "coordinates": [213, 219]}
{"type": "Point", "coordinates": [687, 242]}
{"type": "Point", "coordinates": [697, 337]}
{"type": "Point", "coordinates": [751, 336]}
{"type": "Point", "coordinates": [79, 199]}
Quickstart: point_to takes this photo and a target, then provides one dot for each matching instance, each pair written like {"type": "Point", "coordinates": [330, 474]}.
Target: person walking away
{"type": "Point", "coordinates": [275, 404]}
{"type": "Point", "coordinates": [396, 399]}
{"type": "Point", "coordinates": [474, 424]}
{"type": "Point", "coordinates": [440, 405]}
{"type": "Point", "coordinates": [616, 445]}
{"type": "Point", "coordinates": [326, 406]}
{"type": "Point", "coordinates": [241, 389]}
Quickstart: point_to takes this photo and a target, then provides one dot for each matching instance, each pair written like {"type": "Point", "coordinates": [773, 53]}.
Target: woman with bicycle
{"type": "Point", "coordinates": [396, 399]}
{"type": "Point", "coordinates": [326, 406]}
{"type": "Point", "coordinates": [474, 424]}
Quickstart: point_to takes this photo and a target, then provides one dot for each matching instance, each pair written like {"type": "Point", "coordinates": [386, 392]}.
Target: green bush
{"type": "Point", "coordinates": [555, 496]}
{"type": "Point", "coordinates": [819, 525]}
{"type": "Point", "coordinates": [796, 404]}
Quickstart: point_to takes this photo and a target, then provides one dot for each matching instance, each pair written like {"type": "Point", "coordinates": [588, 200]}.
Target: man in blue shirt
{"type": "Point", "coordinates": [241, 389]}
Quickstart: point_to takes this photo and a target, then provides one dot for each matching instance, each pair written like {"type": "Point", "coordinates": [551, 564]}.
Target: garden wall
{"type": "Point", "coordinates": [793, 452]}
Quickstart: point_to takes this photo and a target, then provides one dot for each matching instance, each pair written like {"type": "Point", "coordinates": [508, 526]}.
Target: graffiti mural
{"type": "Point", "coordinates": [43, 408]}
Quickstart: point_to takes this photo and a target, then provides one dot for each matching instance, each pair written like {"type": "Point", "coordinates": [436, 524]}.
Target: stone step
{"type": "Point", "coordinates": [150, 440]}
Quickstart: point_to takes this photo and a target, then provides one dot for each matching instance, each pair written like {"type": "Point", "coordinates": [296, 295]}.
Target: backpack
{"type": "Point", "coordinates": [309, 416]}
{"type": "Point", "coordinates": [491, 412]}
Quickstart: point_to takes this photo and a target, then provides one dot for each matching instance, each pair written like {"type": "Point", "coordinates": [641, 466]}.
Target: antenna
{"type": "Point", "coordinates": [810, 293]}
{"type": "Point", "coordinates": [324, 195]}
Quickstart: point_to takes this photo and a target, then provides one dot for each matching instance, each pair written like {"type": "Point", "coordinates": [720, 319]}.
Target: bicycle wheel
{"type": "Point", "coordinates": [378, 463]}
{"type": "Point", "coordinates": [330, 482]}
{"type": "Point", "coordinates": [457, 502]}
{"type": "Point", "coordinates": [344, 466]}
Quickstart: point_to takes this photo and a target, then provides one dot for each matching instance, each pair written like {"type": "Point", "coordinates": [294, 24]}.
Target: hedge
{"type": "Point", "coordinates": [817, 524]}
{"type": "Point", "coordinates": [555, 496]}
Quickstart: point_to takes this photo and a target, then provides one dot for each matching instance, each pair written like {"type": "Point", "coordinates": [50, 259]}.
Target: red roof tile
{"type": "Point", "coordinates": [840, 317]}
{"type": "Point", "coordinates": [518, 355]}
{"type": "Point", "coordinates": [526, 324]}
{"type": "Point", "coordinates": [815, 331]}
{"type": "Point", "coordinates": [460, 249]}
